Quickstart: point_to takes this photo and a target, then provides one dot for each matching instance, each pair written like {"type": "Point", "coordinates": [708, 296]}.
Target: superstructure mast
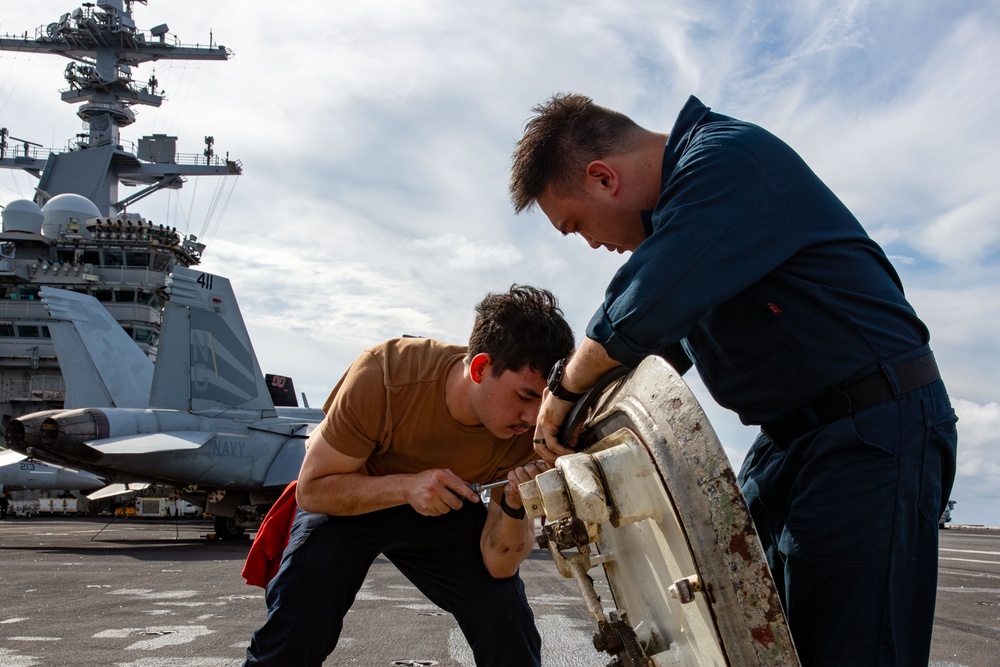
{"type": "Point", "coordinates": [103, 45]}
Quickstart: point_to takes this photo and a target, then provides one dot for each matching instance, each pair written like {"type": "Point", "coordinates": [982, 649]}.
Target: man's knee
{"type": "Point", "coordinates": [500, 627]}
{"type": "Point", "coordinates": [304, 618]}
{"type": "Point", "coordinates": [295, 632]}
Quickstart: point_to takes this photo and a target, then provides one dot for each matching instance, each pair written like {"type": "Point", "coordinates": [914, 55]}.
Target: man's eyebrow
{"type": "Point", "coordinates": [532, 393]}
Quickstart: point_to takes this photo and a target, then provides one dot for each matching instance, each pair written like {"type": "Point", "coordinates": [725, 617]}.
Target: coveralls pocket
{"type": "Point", "coordinates": [728, 344]}
{"type": "Point", "coordinates": [302, 527]}
{"type": "Point", "coordinates": [841, 504]}
{"type": "Point", "coordinates": [940, 445]}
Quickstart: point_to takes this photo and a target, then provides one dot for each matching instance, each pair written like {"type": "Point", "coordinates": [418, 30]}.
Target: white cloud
{"type": "Point", "coordinates": [964, 320]}
{"type": "Point", "coordinates": [976, 490]}
{"type": "Point", "coordinates": [457, 252]}
{"type": "Point", "coordinates": [979, 429]}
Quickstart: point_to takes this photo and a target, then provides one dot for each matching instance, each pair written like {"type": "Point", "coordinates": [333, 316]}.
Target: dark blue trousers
{"type": "Point", "coordinates": [328, 557]}
{"type": "Point", "coordinates": [848, 515]}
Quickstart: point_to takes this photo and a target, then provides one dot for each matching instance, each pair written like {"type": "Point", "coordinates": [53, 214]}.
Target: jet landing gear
{"type": "Point", "coordinates": [229, 528]}
{"type": "Point", "coordinates": [235, 527]}
{"type": "Point", "coordinates": [231, 518]}
{"type": "Point", "coordinates": [651, 497]}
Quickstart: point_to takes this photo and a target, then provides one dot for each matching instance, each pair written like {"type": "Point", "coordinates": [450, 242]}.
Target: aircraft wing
{"type": "Point", "coordinates": [8, 456]}
{"type": "Point", "coordinates": [116, 490]}
{"type": "Point", "coordinates": [148, 443]}
{"type": "Point", "coordinates": [286, 464]}
{"type": "Point", "coordinates": [38, 475]}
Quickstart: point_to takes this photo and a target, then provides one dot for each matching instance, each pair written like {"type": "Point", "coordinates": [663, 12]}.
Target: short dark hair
{"type": "Point", "coordinates": [522, 327]}
{"type": "Point", "coordinates": [565, 135]}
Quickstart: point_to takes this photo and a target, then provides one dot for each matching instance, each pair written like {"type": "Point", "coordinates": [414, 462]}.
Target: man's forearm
{"type": "Point", "coordinates": [587, 365]}
{"type": "Point", "coordinates": [506, 543]}
{"type": "Point", "coordinates": [351, 493]}
{"type": "Point", "coordinates": [431, 492]}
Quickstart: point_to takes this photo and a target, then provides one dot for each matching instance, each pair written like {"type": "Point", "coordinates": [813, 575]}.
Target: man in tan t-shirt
{"type": "Point", "coordinates": [411, 424]}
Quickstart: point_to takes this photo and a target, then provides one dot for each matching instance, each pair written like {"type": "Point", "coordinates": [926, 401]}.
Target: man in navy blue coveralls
{"type": "Point", "coordinates": [744, 263]}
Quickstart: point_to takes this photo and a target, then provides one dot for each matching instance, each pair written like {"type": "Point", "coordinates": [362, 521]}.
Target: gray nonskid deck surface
{"type": "Point", "coordinates": [159, 594]}
{"type": "Point", "coordinates": [152, 594]}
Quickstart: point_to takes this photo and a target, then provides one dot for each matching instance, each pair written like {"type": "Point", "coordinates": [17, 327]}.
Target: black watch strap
{"type": "Point", "coordinates": [555, 384]}
{"type": "Point", "coordinates": [564, 394]}
{"type": "Point", "coordinates": [510, 511]}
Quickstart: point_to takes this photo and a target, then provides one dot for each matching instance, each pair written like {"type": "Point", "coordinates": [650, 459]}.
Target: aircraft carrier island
{"type": "Point", "coordinates": [79, 231]}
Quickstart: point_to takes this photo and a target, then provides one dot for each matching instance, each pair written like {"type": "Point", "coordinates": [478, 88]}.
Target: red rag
{"type": "Point", "coordinates": [272, 538]}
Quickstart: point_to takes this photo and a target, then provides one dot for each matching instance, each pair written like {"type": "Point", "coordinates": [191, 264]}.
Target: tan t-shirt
{"type": "Point", "coordinates": [390, 407]}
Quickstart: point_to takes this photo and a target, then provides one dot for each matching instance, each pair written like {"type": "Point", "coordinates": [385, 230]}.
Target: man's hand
{"type": "Point", "coordinates": [583, 370]}
{"type": "Point", "coordinates": [438, 491]}
{"type": "Point", "coordinates": [515, 477]}
{"type": "Point", "coordinates": [550, 417]}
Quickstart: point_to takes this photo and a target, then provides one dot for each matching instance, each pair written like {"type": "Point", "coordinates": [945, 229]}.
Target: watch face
{"type": "Point", "coordinates": [555, 375]}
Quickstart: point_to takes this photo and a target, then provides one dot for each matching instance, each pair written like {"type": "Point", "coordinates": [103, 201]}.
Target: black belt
{"type": "Point", "coordinates": [834, 404]}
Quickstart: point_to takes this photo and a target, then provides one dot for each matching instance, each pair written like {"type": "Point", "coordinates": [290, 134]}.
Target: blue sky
{"type": "Point", "coordinates": [376, 139]}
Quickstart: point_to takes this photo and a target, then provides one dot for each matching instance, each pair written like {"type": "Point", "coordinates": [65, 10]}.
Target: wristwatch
{"type": "Point", "coordinates": [518, 513]}
{"type": "Point", "coordinates": [555, 384]}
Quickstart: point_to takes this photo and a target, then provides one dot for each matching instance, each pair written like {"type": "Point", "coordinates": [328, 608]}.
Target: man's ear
{"type": "Point", "coordinates": [479, 367]}
{"type": "Point", "coordinates": [603, 177]}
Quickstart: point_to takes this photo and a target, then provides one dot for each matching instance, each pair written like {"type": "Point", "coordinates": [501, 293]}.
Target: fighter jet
{"type": "Point", "coordinates": [207, 426]}
{"type": "Point", "coordinates": [18, 472]}
{"type": "Point", "coordinates": [108, 370]}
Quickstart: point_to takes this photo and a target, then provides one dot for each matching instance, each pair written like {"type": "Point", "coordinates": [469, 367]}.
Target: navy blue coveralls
{"type": "Point", "coordinates": [778, 296]}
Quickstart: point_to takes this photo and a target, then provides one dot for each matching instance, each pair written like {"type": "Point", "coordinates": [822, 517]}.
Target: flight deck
{"type": "Point", "coordinates": [156, 593]}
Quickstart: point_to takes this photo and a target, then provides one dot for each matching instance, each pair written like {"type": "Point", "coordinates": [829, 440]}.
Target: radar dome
{"type": "Point", "coordinates": [66, 209]}
{"type": "Point", "coordinates": [22, 215]}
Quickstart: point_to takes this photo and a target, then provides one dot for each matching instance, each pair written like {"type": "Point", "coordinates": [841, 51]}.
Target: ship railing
{"type": "Point", "coordinates": [30, 310]}
{"type": "Point", "coordinates": [121, 111]}
{"type": "Point", "coordinates": [45, 31]}
{"type": "Point", "coordinates": [15, 309]}
{"type": "Point", "coordinates": [33, 152]}
{"type": "Point", "coordinates": [29, 151]}
{"type": "Point", "coordinates": [199, 158]}
{"type": "Point", "coordinates": [134, 313]}
{"type": "Point", "coordinates": [33, 387]}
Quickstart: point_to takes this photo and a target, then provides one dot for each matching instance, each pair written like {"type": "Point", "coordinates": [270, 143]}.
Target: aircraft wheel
{"type": "Point", "coordinates": [653, 492]}
{"type": "Point", "coordinates": [229, 528]}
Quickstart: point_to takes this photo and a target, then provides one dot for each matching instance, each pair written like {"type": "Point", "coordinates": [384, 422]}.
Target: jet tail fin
{"type": "Point", "coordinates": [282, 390]}
{"type": "Point", "coordinates": [101, 364]}
{"type": "Point", "coordinates": [205, 359]}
